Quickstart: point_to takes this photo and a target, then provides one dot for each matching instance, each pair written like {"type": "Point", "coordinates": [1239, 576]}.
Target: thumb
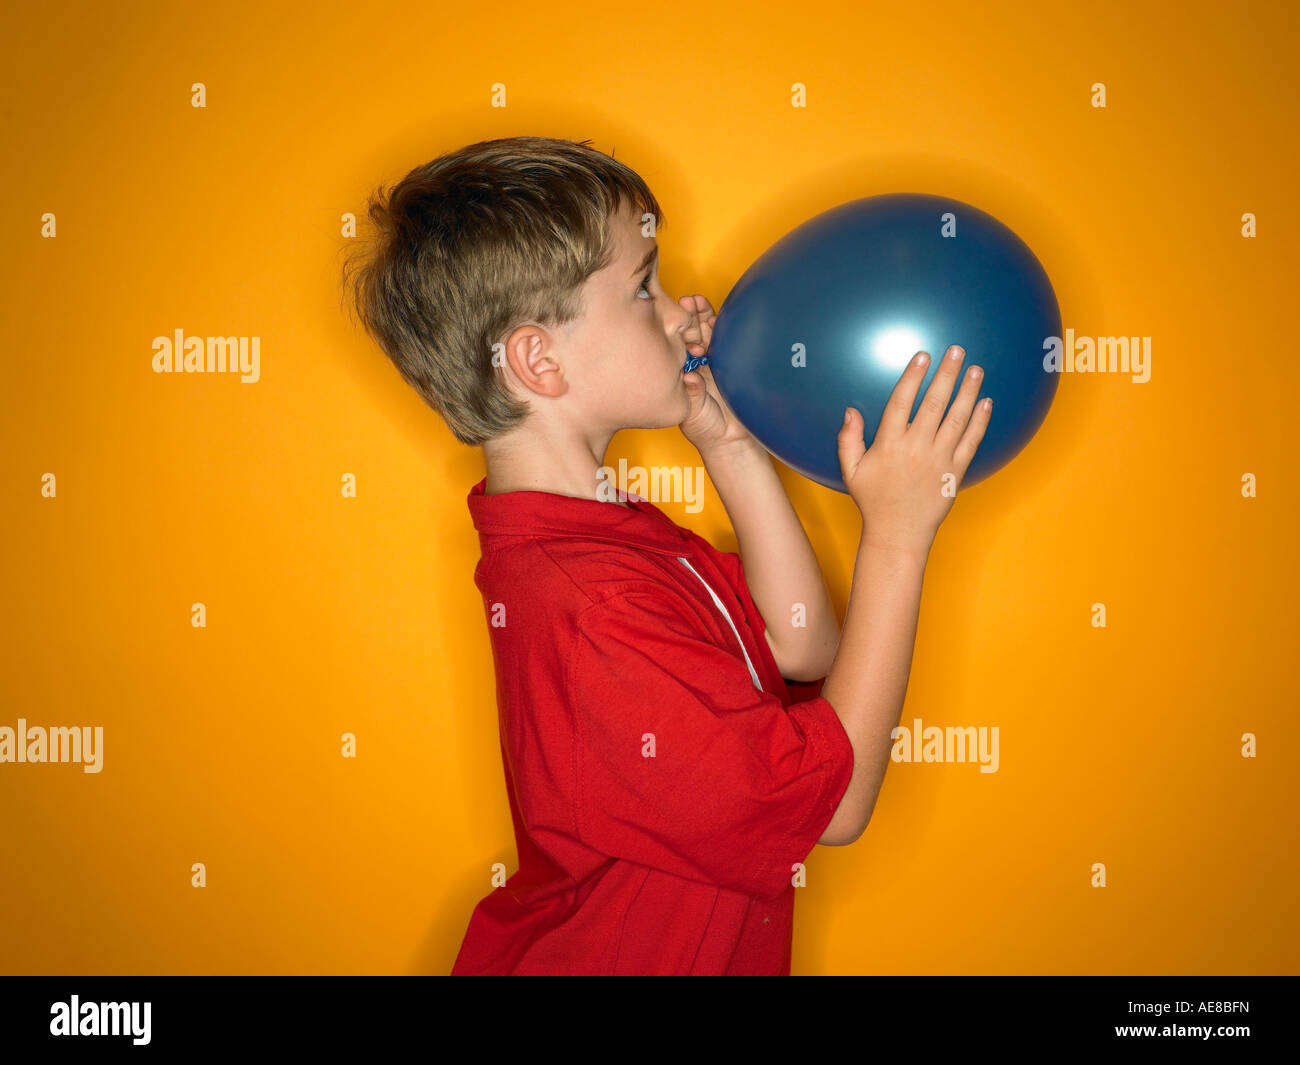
{"type": "Point", "coordinates": [695, 390]}
{"type": "Point", "coordinates": [849, 442]}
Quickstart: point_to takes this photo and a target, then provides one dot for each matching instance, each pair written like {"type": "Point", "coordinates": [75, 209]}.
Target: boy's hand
{"type": "Point", "coordinates": [902, 484]}
{"type": "Point", "coordinates": [710, 423]}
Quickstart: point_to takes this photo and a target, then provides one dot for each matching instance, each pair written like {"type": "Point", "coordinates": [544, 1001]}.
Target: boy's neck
{"type": "Point", "coordinates": [522, 465]}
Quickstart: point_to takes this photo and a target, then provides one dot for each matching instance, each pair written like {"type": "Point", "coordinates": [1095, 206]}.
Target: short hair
{"type": "Point", "coordinates": [472, 245]}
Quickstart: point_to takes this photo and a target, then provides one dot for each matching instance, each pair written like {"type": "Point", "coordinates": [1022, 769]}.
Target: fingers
{"type": "Point", "coordinates": [970, 439]}
{"type": "Point", "coordinates": [691, 335]}
{"type": "Point", "coordinates": [699, 330]}
{"type": "Point", "coordinates": [893, 421]}
{"type": "Point", "coordinates": [959, 414]}
{"type": "Point", "coordinates": [698, 304]}
{"type": "Point", "coordinates": [937, 395]}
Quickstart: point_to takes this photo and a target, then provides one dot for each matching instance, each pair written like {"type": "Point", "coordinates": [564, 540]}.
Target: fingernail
{"type": "Point", "coordinates": [846, 415]}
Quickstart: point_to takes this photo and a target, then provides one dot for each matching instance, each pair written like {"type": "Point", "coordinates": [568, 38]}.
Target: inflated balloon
{"type": "Point", "coordinates": [831, 314]}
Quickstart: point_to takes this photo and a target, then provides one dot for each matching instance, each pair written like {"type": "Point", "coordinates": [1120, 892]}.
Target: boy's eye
{"type": "Point", "coordinates": [645, 283]}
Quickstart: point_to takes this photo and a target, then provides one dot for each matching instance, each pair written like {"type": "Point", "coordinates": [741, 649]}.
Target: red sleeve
{"type": "Point", "coordinates": [739, 788]}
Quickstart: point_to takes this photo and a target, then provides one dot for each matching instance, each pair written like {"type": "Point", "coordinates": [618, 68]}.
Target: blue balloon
{"type": "Point", "coordinates": [831, 314]}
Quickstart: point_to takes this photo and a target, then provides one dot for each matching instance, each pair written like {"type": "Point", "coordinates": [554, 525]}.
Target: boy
{"type": "Point", "coordinates": [663, 782]}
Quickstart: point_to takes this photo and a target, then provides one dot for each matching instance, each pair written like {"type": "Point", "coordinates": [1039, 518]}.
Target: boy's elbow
{"type": "Point", "coordinates": [850, 820]}
{"type": "Point", "coordinates": [830, 839]}
{"type": "Point", "coordinates": [843, 833]}
{"type": "Point", "coordinates": [812, 666]}
{"type": "Point", "coordinates": [809, 660]}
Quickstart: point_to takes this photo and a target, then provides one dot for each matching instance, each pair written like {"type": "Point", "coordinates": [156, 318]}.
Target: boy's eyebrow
{"type": "Point", "coordinates": [649, 258]}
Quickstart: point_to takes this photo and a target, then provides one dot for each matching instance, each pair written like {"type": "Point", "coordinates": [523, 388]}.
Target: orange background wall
{"type": "Point", "coordinates": [329, 615]}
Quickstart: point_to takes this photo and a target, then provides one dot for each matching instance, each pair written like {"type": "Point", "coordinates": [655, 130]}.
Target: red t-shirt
{"type": "Point", "coordinates": [661, 779]}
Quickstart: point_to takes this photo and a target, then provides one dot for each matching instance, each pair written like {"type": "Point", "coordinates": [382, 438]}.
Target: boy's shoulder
{"type": "Point", "coordinates": [564, 559]}
{"type": "Point", "coordinates": [569, 574]}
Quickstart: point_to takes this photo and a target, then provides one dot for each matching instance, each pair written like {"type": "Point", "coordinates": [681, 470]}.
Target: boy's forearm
{"type": "Point", "coordinates": [868, 680]}
{"type": "Point", "coordinates": [781, 568]}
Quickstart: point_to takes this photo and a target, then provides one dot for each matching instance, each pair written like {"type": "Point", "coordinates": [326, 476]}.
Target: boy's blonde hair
{"type": "Point", "coordinates": [476, 243]}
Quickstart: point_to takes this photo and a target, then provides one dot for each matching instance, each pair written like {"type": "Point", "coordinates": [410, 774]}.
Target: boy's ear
{"type": "Point", "coordinates": [530, 354]}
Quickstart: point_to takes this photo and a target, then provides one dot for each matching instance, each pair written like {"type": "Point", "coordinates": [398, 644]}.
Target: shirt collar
{"type": "Point", "coordinates": [531, 515]}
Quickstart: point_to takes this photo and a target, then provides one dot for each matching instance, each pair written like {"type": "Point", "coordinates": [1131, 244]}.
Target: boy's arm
{"type": "Point", "coordinates": [868, 680]}
{"type": "Point", "coordinates": [901, 486]}
{"type": "Point", "coordinates": [781, 568]}
{"type": "Point", "coordinates": [904, 486]}
{"type": "Point", "coordinates": [870, 664]}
